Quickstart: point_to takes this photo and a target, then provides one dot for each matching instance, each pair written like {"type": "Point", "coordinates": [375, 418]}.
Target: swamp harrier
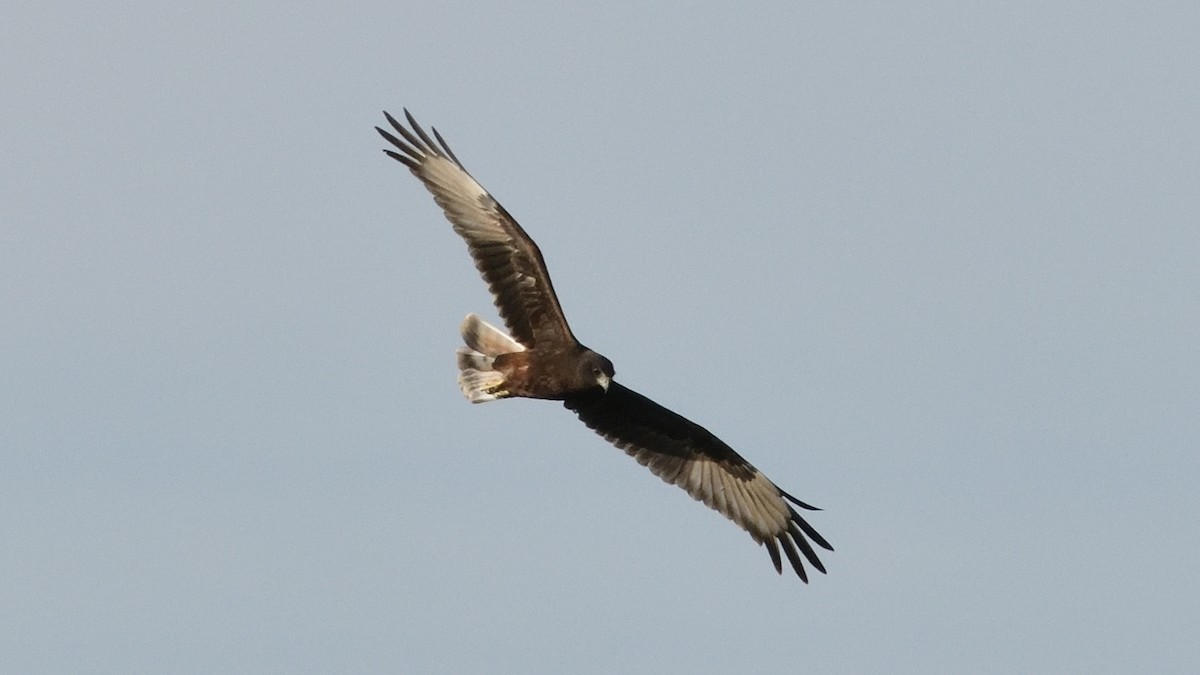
{"type": "Point", "coordinates": [539, 357]}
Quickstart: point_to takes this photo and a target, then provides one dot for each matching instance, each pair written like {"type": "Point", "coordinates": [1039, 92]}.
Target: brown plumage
{"type": "Point", "coordinates": [539, 357]}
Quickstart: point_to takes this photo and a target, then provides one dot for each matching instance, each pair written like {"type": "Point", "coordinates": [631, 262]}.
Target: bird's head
{"type": "Point", "coordinates": [597, 369]}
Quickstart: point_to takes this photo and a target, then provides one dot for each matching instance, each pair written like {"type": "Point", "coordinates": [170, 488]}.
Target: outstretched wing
{"type": "Point", "coordinates": [509, 261]}
{"type": "Point", "coordinates": [686, 454]}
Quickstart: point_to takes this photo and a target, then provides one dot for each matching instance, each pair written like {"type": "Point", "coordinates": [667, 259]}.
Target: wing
{"type": "Point", "coordinates": [509, 261]}
{"type": "Point", "coordinates": [684, 453]}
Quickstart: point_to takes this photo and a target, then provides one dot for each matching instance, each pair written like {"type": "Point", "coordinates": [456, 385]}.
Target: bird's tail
{"type": "Point", "coordinates": [476, 377]}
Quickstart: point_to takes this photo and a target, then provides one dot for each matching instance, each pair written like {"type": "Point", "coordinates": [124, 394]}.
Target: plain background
{"type": "Point", "coordinates": [930, 266]}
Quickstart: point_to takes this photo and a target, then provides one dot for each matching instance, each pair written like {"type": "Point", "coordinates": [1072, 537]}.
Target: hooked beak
{"type": "Point", "coordinates": [603, 381]}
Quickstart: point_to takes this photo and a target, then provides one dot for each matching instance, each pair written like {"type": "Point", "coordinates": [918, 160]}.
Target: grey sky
{"type": "Point", "coordinates": [931, 268]}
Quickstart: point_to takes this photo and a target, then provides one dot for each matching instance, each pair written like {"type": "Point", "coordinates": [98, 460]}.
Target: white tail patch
{"type": "Point", "coordinates": [486, 338]}
{"type": "Point", "coordinates": [479, 383]}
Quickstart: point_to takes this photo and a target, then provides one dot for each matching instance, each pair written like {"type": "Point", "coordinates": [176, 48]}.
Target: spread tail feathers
{"type": "Point", "coordinates": [478, 381]}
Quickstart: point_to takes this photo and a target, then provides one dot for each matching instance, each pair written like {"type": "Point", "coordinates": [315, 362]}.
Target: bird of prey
{"type": "Point", "coordinates": [539, 357]}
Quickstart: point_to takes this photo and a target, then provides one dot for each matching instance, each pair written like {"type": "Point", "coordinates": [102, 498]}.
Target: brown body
{"type": "Point", "coordinates": [553, 373]}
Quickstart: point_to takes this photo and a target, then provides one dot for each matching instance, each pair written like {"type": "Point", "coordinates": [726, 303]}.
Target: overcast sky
{"type": "Point", "coordinates": [933, 268]}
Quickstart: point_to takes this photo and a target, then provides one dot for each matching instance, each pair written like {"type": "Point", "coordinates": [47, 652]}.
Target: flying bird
{"type": "Point", "coordinates": [539, 357]}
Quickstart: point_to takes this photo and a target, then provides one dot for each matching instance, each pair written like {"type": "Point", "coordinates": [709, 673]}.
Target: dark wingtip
{"type": "Point", "coordinates": [794, 558]}
{"type": "Point", "coordinates": [799, 523]}
{"type": "Point", "coordinates": [428, 142]}
{"type": "Point", "coordinates": [445, 146]}
{"type": "Point", "coordinates": [805, 547]}
{"type": "Point", "coordinates": [773, 550]}
{"type": "Point", "coordinates": [391, 120]}
{"type": "Point", "coordinates": [797, 502]}
{"type": "Point", "coordinates": [409, 146]}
